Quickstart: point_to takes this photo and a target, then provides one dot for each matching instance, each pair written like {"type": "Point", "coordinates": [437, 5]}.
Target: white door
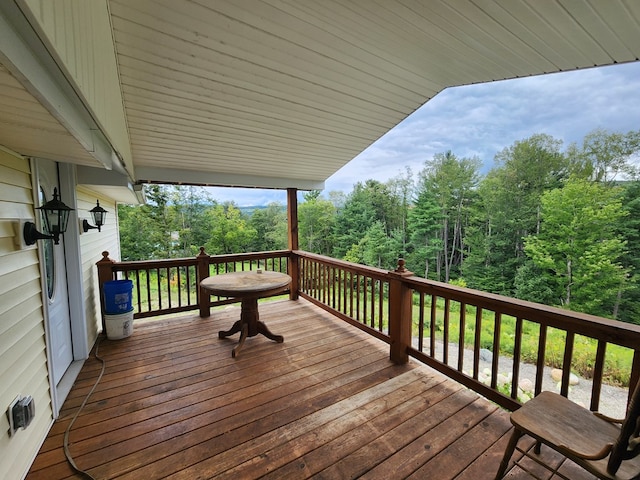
{"type": "Point", "coordinates": [56, 295]}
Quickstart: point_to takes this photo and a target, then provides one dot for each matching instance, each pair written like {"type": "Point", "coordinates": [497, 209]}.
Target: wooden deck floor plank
{"type": "Point", "coordinates": [182, 452]}
{"type": "Point", "coordinates": [326, 454]}
{"type": "Point", "coordinates": [407, 460]}
{"type": "Point", "coordinates": [227, 459]}
{"type": "Point", "coordinates": [373, 453]}
{"type": "Point", "coordinates": [208, 408]}
{"type": "Point", "coordinates": [174, 380]}
{"type": "Point", "coordinates": [195, 432]}
{"type": "Point", "coordinates": [177, 384]}
{"type": "Point", "coordinates": [326, 403]}
{"type": "Point", "coordinates": [212, 400]}
{"type": "Point", "coordinates": [273, 458]}
{"type": "Point", "coordinates": [467, 448]}
{"type": "Point", "coordinates": [213, 349]}
{"type": "Point", "coordinates": [490, 458]}
{"type": "Point", "coordinates": [176, 353]}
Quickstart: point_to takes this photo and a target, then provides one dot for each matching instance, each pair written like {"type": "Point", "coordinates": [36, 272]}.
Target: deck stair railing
{"type": "Point", "coordinates": [447, 327]}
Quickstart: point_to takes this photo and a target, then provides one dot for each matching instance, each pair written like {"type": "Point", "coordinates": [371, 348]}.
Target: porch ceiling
{"type": "Point", "coordinates": [283, 93]}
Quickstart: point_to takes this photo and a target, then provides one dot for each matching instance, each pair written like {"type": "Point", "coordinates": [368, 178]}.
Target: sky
{"type": "Point", "coordinates": [482, 120]}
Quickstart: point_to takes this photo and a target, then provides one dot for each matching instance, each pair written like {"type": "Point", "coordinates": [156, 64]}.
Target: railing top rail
{"type": "Point", "coordinates": [232, 257]}
{"type": "Point", "coordinates": [150, 264]}
{"type": "Point", "coordinates": [612, 331]}
{"type": "Point", "coordinates": [170, 262]}
{"type": "Point", "coordinates": [372, 272]}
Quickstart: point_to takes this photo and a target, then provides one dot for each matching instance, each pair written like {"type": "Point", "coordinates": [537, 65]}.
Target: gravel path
{"type": "Point", "coordinates": [613, 400]}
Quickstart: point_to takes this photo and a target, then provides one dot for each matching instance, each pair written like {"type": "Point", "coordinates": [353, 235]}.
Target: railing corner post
{"type": "Point", "coordinates": [294, 271]}
{"type": "Point", "coordinates": [203, 272]}
{"type": "Point", "coordinates": [105, 274]}
{"type": "Point", "coordinates": [400, 314]}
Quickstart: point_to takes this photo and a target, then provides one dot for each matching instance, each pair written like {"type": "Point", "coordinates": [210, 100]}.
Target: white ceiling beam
{"type": "Point", "coordinates": [216, 179]}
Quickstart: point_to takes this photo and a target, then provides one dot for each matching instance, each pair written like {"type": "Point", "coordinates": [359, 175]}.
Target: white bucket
{"type": "Point", "coordinates": [119, 326]}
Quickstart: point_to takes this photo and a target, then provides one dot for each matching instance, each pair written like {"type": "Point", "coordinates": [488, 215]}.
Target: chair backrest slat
{"type": "Point", "coordinates": [627, 444]}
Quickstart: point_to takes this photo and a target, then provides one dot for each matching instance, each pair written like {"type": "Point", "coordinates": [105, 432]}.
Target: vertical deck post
{"type": "Point", "coordinates": [105, 274]}
{"type": "Point", "coordinates": [202, 273]}
{"type": "Point", "coordinates": [400, 314]}
{"type": "Point", "coordinates": [293, 262]}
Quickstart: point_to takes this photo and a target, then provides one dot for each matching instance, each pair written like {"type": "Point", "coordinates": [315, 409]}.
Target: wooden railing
{"type": "Point", "coordinates": [353, 292]}
{"type": "Point", "coordinates": [446, 327]}
{"type": "Point", "coordinates": [424, 319]}
{"type": "Point", "coordinates": [444, 308]}
{"type": "Point", "coordinates": [171, 286]}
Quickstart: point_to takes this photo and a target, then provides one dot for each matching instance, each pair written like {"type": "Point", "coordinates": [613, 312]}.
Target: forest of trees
{"type": "Point", "coordinates": [551, 225]}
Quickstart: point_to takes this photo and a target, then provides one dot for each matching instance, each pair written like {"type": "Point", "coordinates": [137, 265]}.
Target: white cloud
{"type": "Point", "coordinates": [481, 120]}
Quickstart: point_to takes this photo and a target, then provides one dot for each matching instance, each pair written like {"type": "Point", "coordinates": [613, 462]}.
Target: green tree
{"type": "Point", "coordinates": [229, 231]}
{"type": "Point", "coordinates": [368, 202]}
{"type": "Point", "coordinates": [606, 157]}
{"type": "Point", "coordinates": [629, 228]}
{"type": "Point", "coordinates": [187, 207]}
{"type": "Point", "coordinates": [425, 219]}
{"type": "Point", "coordinates": [509, 210]}
{"type": "Point", "coordinates": [316, 218]}
{"type": "Point", "coordinates": [451, 182]}
{"type": "Point", "coordinates": [578, 247]}
{"type": "Point", "coordinates": [401, 188]}
{"type": "Point", "coordinates": [375, 248]}
{"type": "Point", "coordinates": [136, 232]}
{"type": "Point", "coordinates": [270, 225]}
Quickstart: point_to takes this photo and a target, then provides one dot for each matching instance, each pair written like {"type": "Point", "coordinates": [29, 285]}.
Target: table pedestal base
{"type": "Point", "coordinates": [249, 325]}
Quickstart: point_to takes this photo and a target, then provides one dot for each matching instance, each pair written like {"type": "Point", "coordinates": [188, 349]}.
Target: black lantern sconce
{"type": "Point", "coordinates": [98, 214]}
{"type": "Point", "coordinates": [55, 215]}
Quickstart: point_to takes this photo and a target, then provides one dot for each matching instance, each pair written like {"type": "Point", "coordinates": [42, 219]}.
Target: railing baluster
{"type": "Point", "coordinates": [138, 290]}
{"type": "Point", "coordinates": [373, 303]}
{"type": "Point", "coordinates": [477, 343]}
{"type": "Point", "coordinates": [365, 301]}
{"type": "Point", "coordinates": [421, 323]}
{"type": "Point", "coordinates": [351, 294]}
{"type": "Point", "coordinates": [598, 368]}
{"type": "Point", "coordinates": [332, 280]}
{"type": "Point", "coordinates": [542, 347]}
{"type": "Point", "coordinates": [497, 324]}
{"type": "Point", "coordinates": [432, 327]}
{"type": "Point", "coordinates": [158, 282]}
{"type": "Point", "coordinates": [169, 286]}
{"type": "Point", "coordinates": [461, 330]}
{"type": "Point", "coordinates": [445, 331]}
{"type": "Point", "coordinates": [380, 306]}
{"type": "Point", "coordinates": [566, 364]}
{"type": "Point", "coordinates": [517, 352]}
{"type": "Point", "coordinates": [149, 289]}
{"type": "Point", "coordinates": [358, 297]}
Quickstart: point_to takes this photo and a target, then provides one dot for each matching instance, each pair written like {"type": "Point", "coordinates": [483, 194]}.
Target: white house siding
{"type": "Point", "coordinates": [92, 244]}
{"type": "Point", "coordinates": [23, 359]}
{"type": "Point", "coordinates": [79, 32]}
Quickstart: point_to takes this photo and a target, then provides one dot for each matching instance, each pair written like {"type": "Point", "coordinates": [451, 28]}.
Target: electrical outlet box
{"type": "Point", "coordinates": [21, 413]}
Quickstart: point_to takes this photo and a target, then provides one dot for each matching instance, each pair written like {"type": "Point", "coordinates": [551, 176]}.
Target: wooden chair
{"type": "Point", "coordinates": [605, 447]}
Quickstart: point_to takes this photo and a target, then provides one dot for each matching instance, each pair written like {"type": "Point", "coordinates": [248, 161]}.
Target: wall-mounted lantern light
{"type": "Point", "coordinates": [98, 214]}
{"type": "Point", "coordinates": [55, 215]}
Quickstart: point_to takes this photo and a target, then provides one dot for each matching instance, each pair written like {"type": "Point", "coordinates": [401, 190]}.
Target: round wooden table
{"type": "Point", "coordinates": [248, 287]}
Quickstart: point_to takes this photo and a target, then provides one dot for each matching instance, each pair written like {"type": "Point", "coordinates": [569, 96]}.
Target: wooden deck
{"type": "Point", "coordinates": [326, 403]}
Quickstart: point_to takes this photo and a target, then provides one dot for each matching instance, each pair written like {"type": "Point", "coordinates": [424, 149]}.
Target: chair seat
{"type": "Point", "coordinates": [565, 426]}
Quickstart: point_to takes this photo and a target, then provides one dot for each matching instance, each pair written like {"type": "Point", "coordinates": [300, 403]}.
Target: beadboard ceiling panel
{"type": "Point", "coordinates": [283, 93]}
